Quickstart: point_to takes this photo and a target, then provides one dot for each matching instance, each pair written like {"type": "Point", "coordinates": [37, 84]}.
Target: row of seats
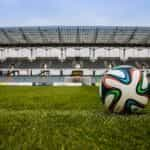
{"type": "Point", "coordinates": [68, 63]}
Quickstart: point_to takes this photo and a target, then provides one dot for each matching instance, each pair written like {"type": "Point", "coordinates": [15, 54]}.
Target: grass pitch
{"type": "Point", "coordinates": [68, 118]}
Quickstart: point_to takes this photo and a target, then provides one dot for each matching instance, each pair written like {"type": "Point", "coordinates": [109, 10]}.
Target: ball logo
{"type": "Point", "coordinates": [124, 90]}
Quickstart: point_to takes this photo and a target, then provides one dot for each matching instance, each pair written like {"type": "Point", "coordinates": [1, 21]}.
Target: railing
{"type": "Point", "coordinates": [88, 80]}
{"type": "Point", "coordinates": [51, 72]}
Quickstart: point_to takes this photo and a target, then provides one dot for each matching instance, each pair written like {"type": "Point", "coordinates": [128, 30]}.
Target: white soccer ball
{"type": "Point", "coordinates": [124, 89]}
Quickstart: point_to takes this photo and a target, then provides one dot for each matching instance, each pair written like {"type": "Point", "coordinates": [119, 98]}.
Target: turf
{"type": "Point", "coordinates": [67, 118]}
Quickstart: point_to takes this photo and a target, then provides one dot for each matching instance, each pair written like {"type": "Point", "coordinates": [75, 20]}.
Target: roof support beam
{"type": "Point", "coordinates": [146, 39]}
{"type": "Point", "coordinates": [24, 36]}
{"type": "Point", "coordinates": [95, 35]}
{"type": "Point", "coordinates": [59, 35]}
{"type": "Point", "coordinates": [78, 36]}
{"type": "Point", "coordinates": [132, 35]}
{"type": "Point", "coordinates": [112, 37]}
{"type": "Point", "coordinates": [11, 40]}
{"type": "Point", "coordinates": [74, 45]}
{"type": "Point", "coordinates": [45, 40]}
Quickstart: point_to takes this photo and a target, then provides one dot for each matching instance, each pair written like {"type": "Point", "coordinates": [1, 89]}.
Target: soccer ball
{"type": "Point", "coordinates": [124, 89]}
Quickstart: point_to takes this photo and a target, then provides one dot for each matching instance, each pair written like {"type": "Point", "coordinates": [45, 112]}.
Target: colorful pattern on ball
{"type": "Point", "coordinates": [124, 89]}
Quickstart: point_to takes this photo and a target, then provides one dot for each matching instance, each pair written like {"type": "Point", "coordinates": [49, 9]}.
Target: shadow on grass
{"type": "Point", "coordinates": [141, 113]}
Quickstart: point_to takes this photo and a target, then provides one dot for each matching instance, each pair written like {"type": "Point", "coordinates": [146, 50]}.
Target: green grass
{"type": "Point", "coordinates": [67, 119]}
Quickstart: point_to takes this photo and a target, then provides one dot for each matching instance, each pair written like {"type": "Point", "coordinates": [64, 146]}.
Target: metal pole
{"type": "Point", "coordinates": [93, 53]}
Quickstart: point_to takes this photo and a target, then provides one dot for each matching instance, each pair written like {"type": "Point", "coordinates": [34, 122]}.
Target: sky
{"type": "Point", "coordinates": [74, 12]}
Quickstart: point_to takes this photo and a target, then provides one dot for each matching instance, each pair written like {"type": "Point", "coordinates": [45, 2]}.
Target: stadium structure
{"type": "Point", "coordinates": [69, 54]}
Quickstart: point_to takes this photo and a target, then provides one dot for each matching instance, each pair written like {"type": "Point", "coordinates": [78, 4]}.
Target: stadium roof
{"type": "Point", "coordinates": [75, 36]}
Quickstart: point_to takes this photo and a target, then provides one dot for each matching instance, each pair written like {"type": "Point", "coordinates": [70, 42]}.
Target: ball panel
{"type": "Point", "coordinates": [124, 93]}
{"type": "Point", "coordinates": [126, 79]}
{"type": "Point", "coordinates": [132, 106]}
{"type": "Point", "coordinates": [111, 103]}
{"type": "Point", "coordinates": [109, 100]}
{"type": "Point", "coordinates": [142, 86]}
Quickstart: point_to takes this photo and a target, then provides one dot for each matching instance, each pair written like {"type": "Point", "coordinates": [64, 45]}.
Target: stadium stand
{"type": "Point", "coordinates": [57, 50]}
{"type": "Point", "coordinates": [70, 63]}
